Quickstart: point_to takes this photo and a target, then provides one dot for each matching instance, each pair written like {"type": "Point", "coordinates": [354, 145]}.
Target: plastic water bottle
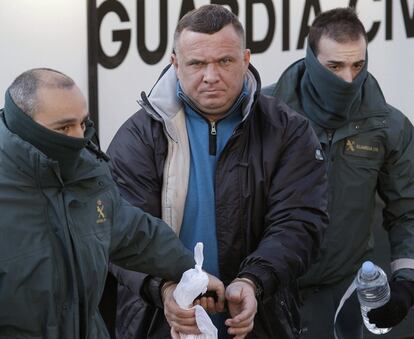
{"type": "Point", "coordinates": [373, 291]}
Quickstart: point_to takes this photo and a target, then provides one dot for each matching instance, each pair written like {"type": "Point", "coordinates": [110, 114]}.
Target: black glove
{"type": "Point", "coordinates": [395, 310]}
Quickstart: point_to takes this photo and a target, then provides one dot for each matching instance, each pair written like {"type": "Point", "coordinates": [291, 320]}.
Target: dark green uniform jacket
{"type": "Point", "coordinates": [56, 240]}
{"type": "Point", "coordinates": [373, 152]}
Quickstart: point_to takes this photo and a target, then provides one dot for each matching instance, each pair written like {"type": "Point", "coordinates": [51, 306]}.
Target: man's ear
{"type": "Point", "coordinates": [246, 57]}
{"type": "Point", "coordinates": [173, 60]}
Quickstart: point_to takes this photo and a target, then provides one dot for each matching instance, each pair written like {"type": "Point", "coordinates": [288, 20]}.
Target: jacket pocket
{"type": "Point", "coordinates": [278, 317]}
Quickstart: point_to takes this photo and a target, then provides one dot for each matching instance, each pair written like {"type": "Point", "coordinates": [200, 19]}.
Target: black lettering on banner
{"type": "Point", "coordinates": [233, 4]}
{"type": "Point", "coordinates": [372, 32]}
{"type": "Point", "coordinates": [186, 6]}
{"type": "Point", "coordinates": [259, 46]}
{"type": "Point", "coordinates": [408, 20]}
{"type": "Point", "coordinates": [304, 27]}
{"type": "Point", "coordinates": [93, 42]}
{"type": "Point", "coordinates": [388, 19]}
{"type": "Point", "coordinates": [122, 35]}
{"type": "Point", "coordinates": [152, 57]}
{"type": "Point", "coordinates": [286, 25]}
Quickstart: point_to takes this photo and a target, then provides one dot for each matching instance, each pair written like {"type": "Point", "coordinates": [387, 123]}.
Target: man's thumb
{"type": "Point", "coordinates": [233, 293]}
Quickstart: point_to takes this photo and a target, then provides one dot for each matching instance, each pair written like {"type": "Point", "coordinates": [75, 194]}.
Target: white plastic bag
{"type": "Point", "coordinates": [194, 282]}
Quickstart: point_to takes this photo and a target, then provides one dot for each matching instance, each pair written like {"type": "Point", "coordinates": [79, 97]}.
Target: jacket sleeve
{"type": "Point", "coordinates": [137, 285]}
{"type": "Point", "coordinates": [296, 211]}
{"type": "Point", "coordinates": [396, 188]}
{"type": "Point", "coordinates": [137, 169]}
{"type": "Point", "coordinates": [141, 242]}
{"type": "Point", "coordinates": [137, 152]}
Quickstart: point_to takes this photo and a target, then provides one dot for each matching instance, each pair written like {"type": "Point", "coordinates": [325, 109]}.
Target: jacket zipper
{"type": "Point", "coordinates": [69, 244]}
{"type": "Point", "coordinates": [329, 134]}
{"type": "Point", "coordinates": [212, 145]}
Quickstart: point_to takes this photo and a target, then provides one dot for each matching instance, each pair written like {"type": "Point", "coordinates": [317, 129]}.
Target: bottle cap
{"type": "Point", "coordinates": [368, 269]}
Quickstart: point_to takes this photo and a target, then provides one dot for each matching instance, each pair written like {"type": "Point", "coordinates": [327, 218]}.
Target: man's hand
{"type": "Point", "coordinates": [209, 303]}
{"type": "Point", "coordinates": [395, 310]}
{"type": "Point", "coordinates": [242, 305]}
{"type": "Point", "coordinates": [183, 321]}
{"type": "Point", "coordinates": [180, 321]}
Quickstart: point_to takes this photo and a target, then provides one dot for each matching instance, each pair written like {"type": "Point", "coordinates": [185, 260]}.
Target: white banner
{"type": "Point", "coordinates": [135, 37]}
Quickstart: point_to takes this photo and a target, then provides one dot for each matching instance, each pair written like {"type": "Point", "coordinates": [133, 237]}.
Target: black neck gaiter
{"type": "Point", "coordinates": [326, 98]}
{"type": "Point", "coordinates": [59, 147]}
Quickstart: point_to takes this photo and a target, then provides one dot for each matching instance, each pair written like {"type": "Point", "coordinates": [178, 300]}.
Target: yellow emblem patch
{"type": "Point", "coordinates": [350, 145]}
{"type": "Point", "coordinates": [100, 209]}
{"type": "Point", "coordinates": [362, 148]}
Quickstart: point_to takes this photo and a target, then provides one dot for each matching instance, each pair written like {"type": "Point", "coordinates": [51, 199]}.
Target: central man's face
{"type": "Point", "coordinates": [211, 68]}
{"type": "Point", "coordinates": [343, 59]}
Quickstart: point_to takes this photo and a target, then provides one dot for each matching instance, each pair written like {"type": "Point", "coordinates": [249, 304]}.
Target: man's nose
{"type": "Point", "coordinates": [211, 73]}
{"type": "Point", "coordinates": [347, 75]}
{"type": "Point", "coordinates": [78, 132]}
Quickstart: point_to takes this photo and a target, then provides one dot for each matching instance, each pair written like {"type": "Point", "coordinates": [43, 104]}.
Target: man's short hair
{"type": "Point", "coordinates": [208, 19]}
{"type": "Point", "coordinates": [24, 88]}
{"type": "Point", "coordinates": [339, 24]}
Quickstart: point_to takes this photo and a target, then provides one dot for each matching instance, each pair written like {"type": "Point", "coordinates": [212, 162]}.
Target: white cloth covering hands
{"type": "Point", "coordinates": [193, 283]}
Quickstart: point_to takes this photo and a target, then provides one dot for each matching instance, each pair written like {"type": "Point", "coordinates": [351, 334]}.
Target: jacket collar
{"type": "Point", "coordinates": [30, 162]}
{"type": "Point", "coordinates": [288, 90]}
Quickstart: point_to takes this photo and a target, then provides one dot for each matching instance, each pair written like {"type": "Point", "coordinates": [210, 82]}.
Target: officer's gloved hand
{"type": "Point", "coordinates": [395, 310]}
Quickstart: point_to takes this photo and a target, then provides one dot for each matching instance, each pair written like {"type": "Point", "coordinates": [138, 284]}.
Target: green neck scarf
{"type": "Point", "coordinates": [326, 98]}
{"type": "Point", "coordinates": [59, 147]}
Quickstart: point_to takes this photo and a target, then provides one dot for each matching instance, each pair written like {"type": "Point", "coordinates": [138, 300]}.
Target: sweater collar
{"type": "Point", "coordinates": [189, 106]}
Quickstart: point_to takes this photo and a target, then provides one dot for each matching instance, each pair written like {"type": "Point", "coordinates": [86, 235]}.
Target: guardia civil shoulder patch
{"type": "Point", "coordinates": [362, 148]}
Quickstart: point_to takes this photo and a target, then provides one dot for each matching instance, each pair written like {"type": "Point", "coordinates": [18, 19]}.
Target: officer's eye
{"type": "Point", "coordinates": [63, 129]}
{"type": "Point", "coordinates": [359, 65]}
{"type": "Point", "coordinates": [334, 67]}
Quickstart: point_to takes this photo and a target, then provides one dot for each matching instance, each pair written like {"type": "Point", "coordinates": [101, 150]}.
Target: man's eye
{"type": "Point", "coordinates": [225, 61]}
{"type": "Point", "coordinates": [63, 129]}
{"type": "Point", "coordinates": [333, 67]}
